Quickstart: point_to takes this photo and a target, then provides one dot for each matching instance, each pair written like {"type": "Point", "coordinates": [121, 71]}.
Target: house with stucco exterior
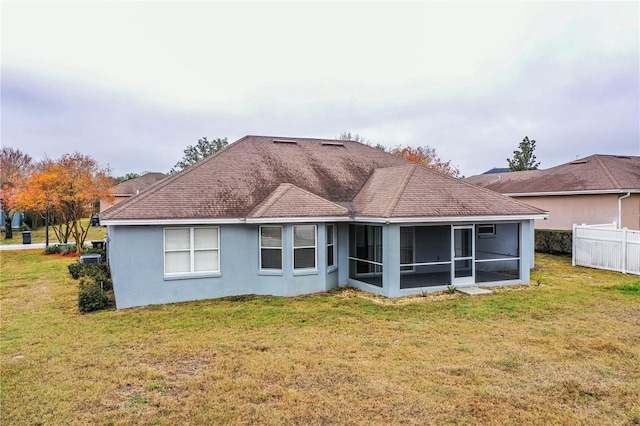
{"type": "Point", "coordinates": [291, 216]}
{"type": "Point", "coordinates": [593, 190]}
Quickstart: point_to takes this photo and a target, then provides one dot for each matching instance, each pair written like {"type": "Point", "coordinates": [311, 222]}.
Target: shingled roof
{"type": "Point", "coordinates": [133, 186]}
{"type": "Point", "coordinates": [596, 173]}
{"type": "Point", "coordinates": [261, 177]}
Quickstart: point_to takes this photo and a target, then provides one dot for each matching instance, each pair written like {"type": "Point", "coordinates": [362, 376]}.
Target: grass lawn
{"type": "Point", "coordinates": [38, 235]}
{"type": "Point", "coordinates": [566, 351]}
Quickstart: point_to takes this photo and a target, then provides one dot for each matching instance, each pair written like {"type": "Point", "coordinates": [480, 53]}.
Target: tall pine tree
{"type": "Point", "coordinates": [523, 157]}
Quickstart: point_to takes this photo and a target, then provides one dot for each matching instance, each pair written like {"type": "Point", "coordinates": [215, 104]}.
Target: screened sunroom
{"type": "Point", "coordinates": [430, 256]}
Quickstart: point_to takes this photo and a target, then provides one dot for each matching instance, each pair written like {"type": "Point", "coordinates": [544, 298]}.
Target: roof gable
{"type": "Point", "coordinates": [288, 200]}
{"type": "Point", "coordinates": [414, 191]}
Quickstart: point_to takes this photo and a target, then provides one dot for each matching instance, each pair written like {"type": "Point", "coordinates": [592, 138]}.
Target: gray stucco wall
{"type": "Point", "coordinates": [137, 264]}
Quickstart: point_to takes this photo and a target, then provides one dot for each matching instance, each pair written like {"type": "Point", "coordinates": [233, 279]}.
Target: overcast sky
{"type": "Point", "coordinates": [133, 83]}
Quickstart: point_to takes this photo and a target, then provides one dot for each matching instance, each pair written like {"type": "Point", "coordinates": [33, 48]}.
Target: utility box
{"type": "Point", "coordinates": [90, 258]}
{"type": "Point", "coordinates": [97, 244]}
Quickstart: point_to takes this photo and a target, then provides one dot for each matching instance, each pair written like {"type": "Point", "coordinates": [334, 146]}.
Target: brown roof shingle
{"type": "Point", "coordinates": [139, 184]}
{"type": "Point", "coordinates": [265, 177]}
{"type": "Point", "coordinates": [593, 173]}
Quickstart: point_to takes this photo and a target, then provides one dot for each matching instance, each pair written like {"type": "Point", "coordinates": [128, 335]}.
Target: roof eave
{"type": "Point", "coordinates": [582, 192]}
{"type": "Point", "coordinates": [450, 219]}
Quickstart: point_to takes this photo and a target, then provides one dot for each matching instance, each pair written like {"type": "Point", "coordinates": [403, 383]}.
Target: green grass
{"type": "Point", "coordinates": [566, 351]}
{"type": "Point", "coordinates": [38, 235]}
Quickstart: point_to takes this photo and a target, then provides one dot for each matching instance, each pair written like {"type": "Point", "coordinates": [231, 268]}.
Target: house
{"type": "Point", "coordinates": [291, 216]}
{"type": "Point", "coordinates": [130, 188]}
{"type": "Point", "coordinates": [593, 190]}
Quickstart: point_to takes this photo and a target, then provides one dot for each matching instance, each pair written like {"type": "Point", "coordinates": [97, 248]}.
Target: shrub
{"type": "Point", "coordinates": [67, 248]}
{"type": "Point", "coordinates": [60, 249]}
{"type": "Point", "coordinates": [25, 227]}
{"type": "Point", "coordinates": [553, 241]}
{"type": "Point", "coordinates": [99, 272]}
{"type": "Point", "coordinates": [91, 250]}
{"type": "Point", "coordinates": [52, 249]}
{"type": "Point", "coordinates": [91, 297]}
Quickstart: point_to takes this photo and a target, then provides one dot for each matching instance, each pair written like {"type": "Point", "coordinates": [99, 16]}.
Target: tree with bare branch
{"type": "Point", "coordinates": [14, 170]}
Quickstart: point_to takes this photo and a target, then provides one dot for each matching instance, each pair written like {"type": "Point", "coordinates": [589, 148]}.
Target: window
{"type": "Point", "coordinates": [191, 250]}
{"type": "Point", "coordinates": [271, 247]}
{"type": "Point", "coordinates": [304, 247]}
{"type": "Point", "coordinates": [406, 248]}
{"type": "Point", "coordinates": [486, 230]}
{"type": "Point", "coordinates": [331, 250]}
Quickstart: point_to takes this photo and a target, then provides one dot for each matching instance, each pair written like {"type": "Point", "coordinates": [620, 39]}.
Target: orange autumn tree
{"type": "Point", "coordinates": [68, 188]}
{"type": "Point", "coordinates": [428, 157]}
{"type": "Point", "coordinates": [14, 170]}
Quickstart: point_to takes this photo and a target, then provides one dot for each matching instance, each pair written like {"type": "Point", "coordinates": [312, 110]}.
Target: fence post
{"type": "Point", "coordinates": [573, 246]}
{"type": "Point", "coordinates": [624, 250]}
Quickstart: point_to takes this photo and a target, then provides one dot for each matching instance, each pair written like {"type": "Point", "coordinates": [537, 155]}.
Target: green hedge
{"type": "Point", "coordinates": [91, 296]}
{"type": "Point", "coordinates": [553, 241]}
{"type": "Point", "coordinates": [99, 272]}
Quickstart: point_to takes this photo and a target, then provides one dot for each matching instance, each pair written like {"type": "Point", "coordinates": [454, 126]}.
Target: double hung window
{"type": "Point", "coordinates": [271, 248]}
{"type": "Point", "coordinates": [191, 250]}
{"type": "Point", "coordinates": [304, 247]}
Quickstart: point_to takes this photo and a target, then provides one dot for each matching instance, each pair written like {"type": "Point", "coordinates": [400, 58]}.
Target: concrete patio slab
{"type": "Point", "coordinates": [474, 291]}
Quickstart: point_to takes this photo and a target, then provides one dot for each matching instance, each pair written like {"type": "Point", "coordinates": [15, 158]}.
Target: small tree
{"type": "Point", "coordinates": [68, 188]}
{"type": "Point", "coordinates": [127, 177]}
{"type": "Point", "coordinates": [14, 170]}
{"type": "Point", "coordinates": [428, 157]}
{"type": "Point", "coordinates": [199, 151]}
{"type": "Point", "coordinates": [523, 157]}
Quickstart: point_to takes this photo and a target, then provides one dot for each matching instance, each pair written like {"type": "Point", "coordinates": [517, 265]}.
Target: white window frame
{"type": "Point", "coordinates": [294, 248]}
{"type": "Point", "coordinates": [192, 250]}
{"type": "Point", "coordinates": [270, 248]}
{"type": "Point", "coordinates": [491, 234]}
{"type": "Point", "coordinates": [332, 259]}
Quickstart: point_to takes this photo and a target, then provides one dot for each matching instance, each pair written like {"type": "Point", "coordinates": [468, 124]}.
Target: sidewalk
{"type": "Point", "coordinates": [34, 246]}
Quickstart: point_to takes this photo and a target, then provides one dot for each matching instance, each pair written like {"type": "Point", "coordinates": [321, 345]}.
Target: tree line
{"type": "Point", "coordinates": [62, 191]}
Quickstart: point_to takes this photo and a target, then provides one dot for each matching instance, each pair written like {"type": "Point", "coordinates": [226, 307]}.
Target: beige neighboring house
{"type": "Point", "coordinates": [131, 187]}
{"type": "Point", "coordinates": [593, 190]}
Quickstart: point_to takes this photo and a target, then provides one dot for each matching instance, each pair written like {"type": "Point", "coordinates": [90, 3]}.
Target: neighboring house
{"type": "Point", "coordinates": [281, 216]}
{"type": "Point", "coordinates": [593, 190]}
{"type": "Point", "coordinates": [131, 187]}
{"type": "Point", "coordinates": [16, 222]}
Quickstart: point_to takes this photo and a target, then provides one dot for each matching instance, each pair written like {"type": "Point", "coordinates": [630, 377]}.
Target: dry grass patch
{"type": "Point", "coordinates": [562, 352]}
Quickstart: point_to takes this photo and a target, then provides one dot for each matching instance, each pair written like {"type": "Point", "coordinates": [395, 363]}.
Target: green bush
{"type": "Point", "coordinates": [25, 227]}
{"type": "Point", "coordinates": [99, 272]}
{"type": "Point", "coordinates": [60, 249]}
{"type": "Point", "coordinates": [52, 249]}
{"type": "Point", "coordinates": [553, 241]}
{"type": "Point", "coordinates": [91, 297]}
{"type": "Point", "coordinates": [91, 250]}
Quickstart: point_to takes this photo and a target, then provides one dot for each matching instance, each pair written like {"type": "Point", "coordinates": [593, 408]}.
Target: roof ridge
{"type": "Point", "coordinates": [271, 202]}
{"type": "Point", "coordinates": [606, 170]}
{"type": "Point", "coordinates": [403, 184]}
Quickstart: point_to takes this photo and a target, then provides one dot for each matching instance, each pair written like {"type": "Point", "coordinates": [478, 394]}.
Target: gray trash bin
{"type": "Point", "coordinates": [26, 237]}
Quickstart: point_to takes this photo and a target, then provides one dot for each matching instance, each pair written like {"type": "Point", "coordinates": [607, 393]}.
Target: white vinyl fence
{"type": "Point", "coordinates": [605, 247]}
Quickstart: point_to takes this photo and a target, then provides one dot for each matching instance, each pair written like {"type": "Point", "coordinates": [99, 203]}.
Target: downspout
{"type": "Point", "coordinates": [620, 208]}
